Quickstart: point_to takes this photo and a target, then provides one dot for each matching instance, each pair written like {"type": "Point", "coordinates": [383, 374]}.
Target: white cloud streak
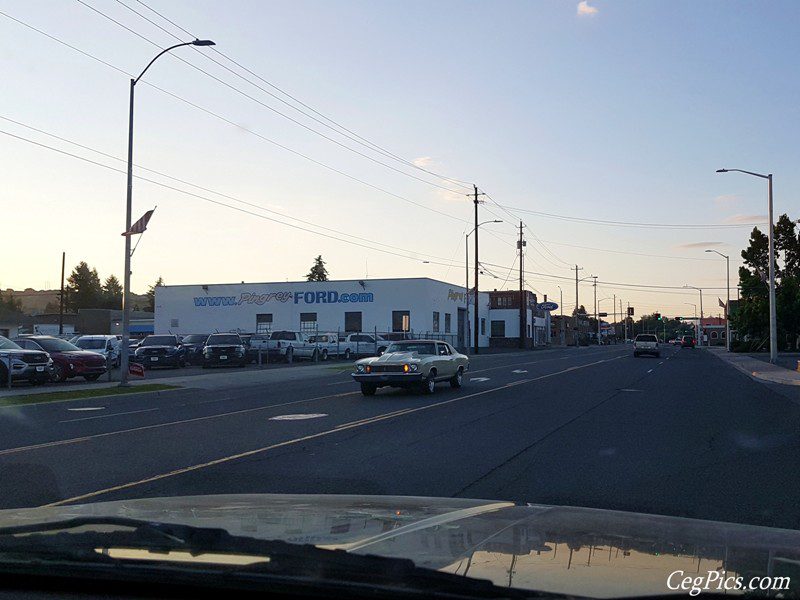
{"type": "Point", "coordinates": [584, 10]}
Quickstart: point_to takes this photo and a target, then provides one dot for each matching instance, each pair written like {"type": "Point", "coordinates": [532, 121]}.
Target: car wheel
{"type": "Point", "coordinates": [92, 377]}
{"type": "Point", "coordinates": [289, 354]}
{"type": "Point", "coordinates": [347, 354]}
{"type": "Point", "coordinates": [324, 355]}
{"type": "Point", "coordinates": [368, 389]}
{"type": "Point", "coordinates": [58, 375]}
{"type": "Point", "coordinates": [457, 379]}
{"type": "Point", "coordinates": [181, 363]}
{"type": "Point", "coordinates": [635, 355]}
{"type": "Point", "coordinates": [429, 385]}
{"type": "Point", "coordinates": [3, 375]}
{"type": "Point", "coordinates": [315, 356]}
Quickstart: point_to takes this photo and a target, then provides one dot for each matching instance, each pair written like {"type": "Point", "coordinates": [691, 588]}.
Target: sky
{"type": "Point", "coordinates": [608, 110]}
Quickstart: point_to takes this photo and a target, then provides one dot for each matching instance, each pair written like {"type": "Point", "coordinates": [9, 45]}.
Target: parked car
{"type": "Point", "coordinates": [286, 345]}
{"type": "Point", "coordinates": [688, 341]}
{"type": "Point", "coordinates": [413, 363]}
{"type": "Point", "coordinates": [33, 366]}
{"type": "Point", "coordinates": [363, 344]}
{"type": "Point", "coordinates": [224, 349]}
{"type": "Point", "coordinates": [193, 347]}
{"type": "Point", "coordinates": [327, 345]}
{"type": "Point", "coordinates": [106, 345]}
{"type": "Point", "coordinates": [68, 360]}
{"type": "Point", "coordinates": [250, 352]}
{"type": "Point", "coordinates": [160, 351]}
{"type": "Point", "coordinates": [646, 343]}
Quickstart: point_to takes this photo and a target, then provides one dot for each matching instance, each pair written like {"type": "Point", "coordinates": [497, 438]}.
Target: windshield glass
{"type": "Point", "coordinates": [282, 335]}
{"type": "Point", "coordinates": [55, 345]}
{"type": "Point", "coordinates": [418, 347]}
{"type": "Point", "coordinates": [91, 343]}
{"type": "Point", "coordinates": [7, 344]}
{"type": "Point", "coordinates": [224, 338]}
{"type": "Point", "coordinates": [195, 338]}
{"type": "Point", "coordinates": [159, 340]}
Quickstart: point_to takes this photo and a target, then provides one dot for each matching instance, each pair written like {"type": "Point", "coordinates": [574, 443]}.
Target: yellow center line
{"type": "Point", "coordinates": [313, 436]}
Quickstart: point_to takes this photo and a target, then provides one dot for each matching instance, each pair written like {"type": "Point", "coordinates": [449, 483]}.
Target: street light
{"type": "Point", "coordinates": [466, 285]}
{"type": "Point", "coordinates": [700, 325]}
{"type": "Point", "coordinates": [126, 291]}
{"type": "Point", "coordinates": [728, 305]}
{"type": "Point", "coordinates": [773, 318]}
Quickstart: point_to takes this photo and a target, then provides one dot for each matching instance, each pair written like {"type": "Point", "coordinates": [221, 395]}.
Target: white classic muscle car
{"type": "Point", "coordinates": [412, 364]}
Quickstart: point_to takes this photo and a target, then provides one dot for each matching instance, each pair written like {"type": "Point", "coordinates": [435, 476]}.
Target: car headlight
{"type": "Point", "coordinates": [360, 368]}
{"type": "Point", "coordinates": [413, 368]}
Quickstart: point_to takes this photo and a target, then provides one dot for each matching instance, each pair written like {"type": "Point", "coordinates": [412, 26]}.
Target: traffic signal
{"type": "Point", "coordinates": [630, 311]}
{"type": "Point", "coordinates": [658, 316]}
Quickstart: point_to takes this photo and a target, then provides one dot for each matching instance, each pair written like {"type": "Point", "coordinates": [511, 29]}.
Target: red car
{"type": "Point", "coordinates": [687, 341]}
{"type": "Point", "coordinates": [68, 359]}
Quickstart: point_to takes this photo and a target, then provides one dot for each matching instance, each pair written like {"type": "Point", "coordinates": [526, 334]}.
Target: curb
{"type": "Point", "coordinates": [776, 377]}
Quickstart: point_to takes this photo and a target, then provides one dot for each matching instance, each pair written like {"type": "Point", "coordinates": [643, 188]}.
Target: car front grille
{"type": "Point", "coordinates": [386, 369]}
{"type": "Point", "coordinates": [154, 351]}
{"type": "Point", "coordinates": [34, 358]}
{"type": "Point", "coordinates": [221, 349]}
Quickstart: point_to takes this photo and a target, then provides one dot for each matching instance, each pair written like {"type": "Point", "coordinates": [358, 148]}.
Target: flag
{"type": "Point", "coordinates": [721, 303]}
{"type": "Point", "coordinates": [141, 225]}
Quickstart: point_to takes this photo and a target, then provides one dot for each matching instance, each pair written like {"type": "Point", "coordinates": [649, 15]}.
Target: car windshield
{"type": "Point", "coordinates": [224, 339]}
{"type": "Point", "coordinates": [55, 344]}
{"type": "Point", "coordinates": [422, 348]}
{"type": "Point", "coordinates": [159, 340]}
{"type": "Point", "coordinates": [7, 344]}
{"type": "Point", "coordinates": [282, 335]}
{"type": "Point", "coordinates": [195, 338]}
{"type": "Point", "coordinates": [91, 343]}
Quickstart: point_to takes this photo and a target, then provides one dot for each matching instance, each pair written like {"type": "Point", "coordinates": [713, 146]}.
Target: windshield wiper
{"type": "Point", "coordinates": [53, 541]}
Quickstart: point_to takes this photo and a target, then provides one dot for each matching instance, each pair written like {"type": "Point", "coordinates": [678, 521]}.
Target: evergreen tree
{"type": "Point", "coordinates": [318, 271]}
{"type": "Point", "coordinates": [83, 288]}
{"type": "Point", "coordinates": [151, 295]}
{"type": "Point", "coordinates": [112, 293]}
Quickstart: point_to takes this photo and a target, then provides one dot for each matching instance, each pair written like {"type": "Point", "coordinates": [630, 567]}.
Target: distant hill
{"type": "Point", "coordinates": [38, 302]}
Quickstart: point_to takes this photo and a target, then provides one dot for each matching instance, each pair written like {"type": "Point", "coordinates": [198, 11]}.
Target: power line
{"type": "Point", "coordinates": [338, 125]}
{"type": "Point", "coordinates": [256, 100]}
{"type": "Point", "coordinates": [634, 224]}
{"type": "Point", "coordinates": [236, 125]}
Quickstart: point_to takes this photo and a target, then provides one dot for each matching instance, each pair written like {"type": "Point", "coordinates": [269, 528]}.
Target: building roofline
{"type": "Point", "coordinates": [329, 282]}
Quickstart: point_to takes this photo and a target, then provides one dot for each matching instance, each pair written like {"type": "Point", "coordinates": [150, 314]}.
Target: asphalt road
{"type": "Point", "coordinates": [683, 435]}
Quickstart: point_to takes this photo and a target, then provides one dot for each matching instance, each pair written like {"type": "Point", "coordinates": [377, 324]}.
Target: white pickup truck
{"type": "Point", "coordinates": [646, 343]}
{"type": "Point", "coordinates": [286, 345]}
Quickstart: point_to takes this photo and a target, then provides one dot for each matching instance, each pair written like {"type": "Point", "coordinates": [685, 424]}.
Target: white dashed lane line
{"type": "Point", "coordinates": [649, 370]}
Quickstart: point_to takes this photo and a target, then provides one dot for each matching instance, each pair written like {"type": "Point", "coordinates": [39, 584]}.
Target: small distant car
{"type": "Point", "coordinates": [108, 346]}
{"type": "Point", "coordinates": [646, 343]}
{"type": "Point", "coordinates": [688, 341]}
{"type": "Point", "coordinates": [412, 364]}
{"type": "Point", "coordinates": [223, 349]}
{"type": "Point", "coordinates": [160, 351]}
{"type": "Point", "coordinates": [68, 360]}
{"type": "Point", "coordinates": [193, 347]}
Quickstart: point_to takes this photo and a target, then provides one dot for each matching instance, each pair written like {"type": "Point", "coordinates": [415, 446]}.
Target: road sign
{"type": "Point", "coordinates": [547, 305]}
{"type": "Point", "coordinates": [136, 369]}
{"type": "Point", "coordinates": [602, 314]}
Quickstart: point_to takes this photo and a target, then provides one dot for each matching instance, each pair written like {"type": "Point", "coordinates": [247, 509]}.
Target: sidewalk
{"type": "Point", "coordinates": [756, 368]}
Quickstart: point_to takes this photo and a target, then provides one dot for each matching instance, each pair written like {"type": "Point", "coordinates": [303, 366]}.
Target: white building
{"type": "Point", "coordinates": [421, 306]}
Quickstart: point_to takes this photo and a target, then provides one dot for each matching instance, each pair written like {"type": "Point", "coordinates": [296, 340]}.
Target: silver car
{"type": "Point", "coordinates": [412, 364]}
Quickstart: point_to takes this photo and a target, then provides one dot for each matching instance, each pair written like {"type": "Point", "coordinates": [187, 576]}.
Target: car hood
{"type": "Point", "coordinates": [78, 354]}
{"type": "Point", "coordinates": [157, 347]}
{"type": "Point", "coordinates": [392, 357]}
{"type": "Point", "coordinates": [570, 550]}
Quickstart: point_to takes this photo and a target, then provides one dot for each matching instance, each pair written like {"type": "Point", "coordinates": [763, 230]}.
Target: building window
{"type": "Point", "coordinates": [173, 323]}
{"type": "Point", "coordinates": [723, 334]}
{"type": "Point", "coordinates": [308, 322]}
{"type": "Point", "coordinates": [401, 320]}
{"type": "Point", "coordinates": [264, 323]}
{"type": "Point", "coordinates": [498, 329]}
{"type": "Point", "coordinates": [352, 322]}
{"type": "Point", "coordinates": [435, 322]}
{"type": "Point", "coordinates": [713, 335]}
{"type": "Point", "coordinates": [483, 326]}
{"type": "Point", "coordinates": [447, 318]}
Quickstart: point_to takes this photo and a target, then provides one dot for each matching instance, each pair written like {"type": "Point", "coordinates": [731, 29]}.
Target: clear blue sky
{"type": "Point", "coordinates": [620, 113]}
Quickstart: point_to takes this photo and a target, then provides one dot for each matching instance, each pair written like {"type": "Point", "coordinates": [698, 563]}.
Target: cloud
{"type": "Point", "coordinates": [584, 10]}
{"type": "Point", "coordinates": [423, 161]}
{"type": "Point", "coordinates": [701, 244]}
{"type": "Point", "coordinates": [734, 219]}
{"type": "Point", "coordinates": [449, 196]}
{"type": "Point", "coordinates": [727, 199]}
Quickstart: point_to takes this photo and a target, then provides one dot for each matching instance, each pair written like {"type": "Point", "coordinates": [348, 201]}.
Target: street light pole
{"type": "Point", "coordinates": [773, 317]}
{"type": "Point", "coordinates": [126, 290]}
{"type": "Point", "coordinates": [700, 326]}
{"type": "Point", "coordinates": [728, 305]}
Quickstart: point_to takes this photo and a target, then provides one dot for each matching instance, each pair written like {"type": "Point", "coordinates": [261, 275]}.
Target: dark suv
{"type": "Point", "coordinates": [160, 351]}
{"type": "Point", "coordinates": [34, 366]}
{"type": "Point", "coordinates": [193, 347]}
{"type": "Point", "coordinates": [224, 349]}
{"type": "Point", "coordinates": [687, 341]}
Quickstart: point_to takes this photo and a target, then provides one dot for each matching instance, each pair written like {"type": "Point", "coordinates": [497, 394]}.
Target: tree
{"type": "Point", "coordinates": [9, 303]}
{"type": "Point", "coordinates": [83, 288]}
{"type": "Point", "coordinates": [151, 295]}
{"type": "Point", "coordinates": [112, 293]}
{"type": "Point", "coordinates": [318, 271]}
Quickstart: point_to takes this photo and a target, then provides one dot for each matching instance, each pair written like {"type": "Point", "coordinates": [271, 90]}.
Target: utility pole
{"type": "Point", "coordinates": [596, 317]}
{"type": "Point", "coordinates": [523, 309]}
{"type": "Point", "coordinates": [61, 298]}
{"type": "Point", "coordinates": [628, 318]}
{"type": "Point", "coordinates": [577, 268]}
{"type": "Point", "coordinates": [615, 315]}
{"type": "Point", "coordinates": [477, 317]}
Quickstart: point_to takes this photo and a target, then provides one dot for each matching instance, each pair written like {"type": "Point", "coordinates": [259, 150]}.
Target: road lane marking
{"type": "Point", "coordinates": [298, 417]}
{"type": "Point", "coordinates": [87, 438]}
{"type": "Point", "coordinates": [629, 390]}
{"type": "Point", "coordinates": [650, 370]}
{"type": "Point", "coordinates": [479, 379]}
{"type": "Point", "coordinates": [536, 362]}
{"type": "Point", "coordinates": [661, 363]}
{"type": "Point", "coordinates": [519, 371]}
{"type": "Point", "coordinates": [313, 436]}
{"type": "Point", "coordinates": [130, 412]}
{"type": "Point", "coordinates": [87, 408]}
